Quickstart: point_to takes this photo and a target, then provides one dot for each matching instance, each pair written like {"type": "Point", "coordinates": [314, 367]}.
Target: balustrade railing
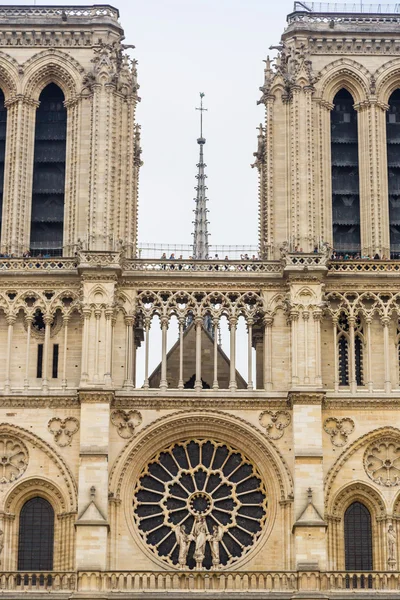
{"type": "Point", "coordinates": [364, 266]}
{"type": "Point", "coordinates": [199, 266]}
{"type": "Point", "coordinates": [101, 582]}
{"type": "Point", "coordinates": [84, 12]}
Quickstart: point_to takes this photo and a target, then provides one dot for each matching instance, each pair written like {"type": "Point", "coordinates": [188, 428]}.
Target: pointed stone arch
{"type": "Point", "coordinates": [52, 67]}
{"type": "Point", "coordinates": [347, 74]}
{"type": "Point", "coordinates": [387, 79]}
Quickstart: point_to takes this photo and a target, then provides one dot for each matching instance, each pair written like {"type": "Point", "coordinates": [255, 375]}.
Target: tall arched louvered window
{"type": "Point", "coordinates": [358, 538]}
{"type": "Point", "coordinates": [393, 159]}
{"type": "Point", "coordinates": [36, 536]}
{"type": "Point", "coordinates": [3, 130]}
{"type": "Point", "coordinates": [47, 221]}
{"type": "Point", "coordinates": [345, 175]}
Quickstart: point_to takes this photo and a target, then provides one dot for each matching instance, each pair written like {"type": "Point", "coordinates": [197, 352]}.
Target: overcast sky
{"type": "Point", "coordinates": [185, 47]}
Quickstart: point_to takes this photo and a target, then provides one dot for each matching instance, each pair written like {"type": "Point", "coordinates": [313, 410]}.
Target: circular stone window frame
{"type": "Point", "coordinates": [177, 428]}
{"type": "Point", "coordinates": [392, 440]}
{"type": "Point", "coordinates": [188, 474]}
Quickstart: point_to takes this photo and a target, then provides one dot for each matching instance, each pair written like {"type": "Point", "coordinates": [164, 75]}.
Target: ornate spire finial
{"type": "Point", "coordinates": [201, 140]}
{"type": "Point", "coordinates": [200, 236]}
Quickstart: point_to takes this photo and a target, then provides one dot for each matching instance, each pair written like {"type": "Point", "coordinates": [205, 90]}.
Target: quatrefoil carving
{"type": "Point", "coordinates": [339, 430]}
{"type": "Point", "coordinates": [274, 421]}
{"type": "Point", "coordinates": [63, 430]}
{"type": "Point", "coordinates": [126, 422]}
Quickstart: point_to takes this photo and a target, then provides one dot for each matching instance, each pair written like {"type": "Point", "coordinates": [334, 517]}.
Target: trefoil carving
{"type": "Point", "coordinates": [274, 421]}
{"type": "Point", "coordinates": [339, 430]}
{"type": "Point", "coordinates": [126, 422]}
{"type": "Point", "coordinates": [63, 430]}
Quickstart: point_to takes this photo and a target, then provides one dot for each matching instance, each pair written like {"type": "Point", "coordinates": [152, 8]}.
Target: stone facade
{"type": "Point", "coordinates": [275, 462]}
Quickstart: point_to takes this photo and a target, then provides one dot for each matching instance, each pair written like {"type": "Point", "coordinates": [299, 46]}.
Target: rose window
{"type": "Point", "coordinates": [382, 462]}
{"type": "Point", "coordinates": [13, 459]}
{"type": "Point", "coordinates": [200, 504]}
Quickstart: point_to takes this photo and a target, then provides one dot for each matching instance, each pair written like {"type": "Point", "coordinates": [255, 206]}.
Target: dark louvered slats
{"type": "Point", "coordinates": [358, 538]}
{"type": "Point", "coordinates": [47, 219]}
{"type": "Point", "coordinates": [36, 536]}
{"type": "Point", "coordinates": [345, 175]}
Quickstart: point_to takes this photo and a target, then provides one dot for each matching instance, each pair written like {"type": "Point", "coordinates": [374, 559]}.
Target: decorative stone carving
{"type": "Point", "coordinates": [339, 430]}
{"type": "Point", "coordinates": [63, 430]}
{"type": "Point", "coordinates": [207, 493]}
{"type": "Point", "coordinates": [1, 543]}
{"type": "Point", "coordinates": [382, 462]}
{"type": "Point", "coordinates": [13, 459]}
{"type": "Point", "coordinates": [274, 421]}
{"type": "Point", "coordinates": [392, 547]}
{"type": "Point", "coordinates": [126, 422]}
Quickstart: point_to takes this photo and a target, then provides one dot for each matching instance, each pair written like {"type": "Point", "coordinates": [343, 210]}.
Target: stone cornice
{"type": "Point", "coordinates": [306, 397]}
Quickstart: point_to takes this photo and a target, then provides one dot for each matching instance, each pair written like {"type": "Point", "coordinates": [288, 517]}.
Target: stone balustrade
{"type": "Point", "coordinates": [76, 12]}
{"type": "Point", "coordinates": [364, 266]}
{"type": "Point", "coordinates": [165, 582]}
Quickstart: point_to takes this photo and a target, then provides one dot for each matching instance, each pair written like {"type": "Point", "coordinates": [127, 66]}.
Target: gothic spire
{"type": "Point", "coordinates": [200, 235]}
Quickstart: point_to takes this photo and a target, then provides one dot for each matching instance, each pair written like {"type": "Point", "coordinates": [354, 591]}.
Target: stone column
{"type": "Point", "coordinates": [232, 358]}
{"type": "Point", "coordinates": [352, 356]}
{"type": "Point", "coordinates": [268, 322]}
{"type": "Point", "coordinates": [294, 320]}
{"type": "Point", "coordinates": [386, 354]}
{"type": "Point", "coordinates": [28, 319]}
{"type": "Point", "coordinates": [86, 313]}
{"type": "Point", "coordinates": [10, 330]}
{"type": "Point", "coordinates": [48, 320]}
{"type": "Point", "coordinates": [147, 323]}
{"type": "Point", "coordinates": [181, 325]}
{"type": "Point", "coordinates": [64, 374]}
{"type": "Point", "coordinates": [129, 341]}
{"type": "Point", "coordinates": [368, 321]}
{"type": "Point", "coordinates": [215, 381]}
{"type": "Point", "coordinates": [198, 386]}
{"type": "Point", "coordinates": [250, 354]}
{"type": "Point", "coordinates": [164, 329]}
{"type": "Point", "coordinates": [317, 316]}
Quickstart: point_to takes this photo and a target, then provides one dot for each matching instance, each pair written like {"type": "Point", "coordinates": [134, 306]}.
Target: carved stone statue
{"type": "Point", "coordinates": [200, 535]}
{"type": "Point", "coordinates": [183, 541]}
{"type": "Point", "coordinates": [1, 543]}
{"type": "Point", "coordinates": [215, 539]}
{"type": "Point", "coordinates": [392, 545]}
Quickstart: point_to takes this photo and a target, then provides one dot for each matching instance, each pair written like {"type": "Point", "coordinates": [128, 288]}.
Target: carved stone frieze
{"type": "Point", "coordinates": [95, 396]}
{"type": "Point", "coordinates": [339, 430]}
{"type": "Point", "coordinates": [14, 458]}
{"type": "Point", "coordinates": [63, 430]}
{"type": "Point", "coordinates": [275, 422]}
{"type": "Point", "coordinates": [126, 422]}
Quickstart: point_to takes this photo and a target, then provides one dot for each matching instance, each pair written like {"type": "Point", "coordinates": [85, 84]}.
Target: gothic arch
{"type": "Point", "coordinates": [68, 481]}
{"type": "Point", "coordinates": [52, 67]}
{"type": "Point", "coordinates": [357, 491]}
{"type": "Point", "coordinates": [32, 487]}
{"type": "Point", "coordinates": [8, 76]}
{"type": "Point", "coordinates": [347, 74]}
{"type": "Point", "coordinates": [338, 466]}
{"type": "Point", "coordinates": [387, 79]}
{"type": "Point", "coordinates": [217, 425]}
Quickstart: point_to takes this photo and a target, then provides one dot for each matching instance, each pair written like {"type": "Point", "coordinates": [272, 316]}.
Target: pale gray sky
{"type": "Point", "coordinates": [184, 47]}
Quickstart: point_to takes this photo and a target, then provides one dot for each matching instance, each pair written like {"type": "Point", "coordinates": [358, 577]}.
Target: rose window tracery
{"type": "Point", "coordinates": [13, 459]}
{"type": "Point", "coordinates": [200, 504]}
{"type": "Point", "coordinates": [382, 462]}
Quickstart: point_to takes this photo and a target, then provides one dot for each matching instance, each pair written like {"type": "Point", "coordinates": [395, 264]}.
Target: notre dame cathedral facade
{"type": "Point", "coordinates": [197, 480]}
